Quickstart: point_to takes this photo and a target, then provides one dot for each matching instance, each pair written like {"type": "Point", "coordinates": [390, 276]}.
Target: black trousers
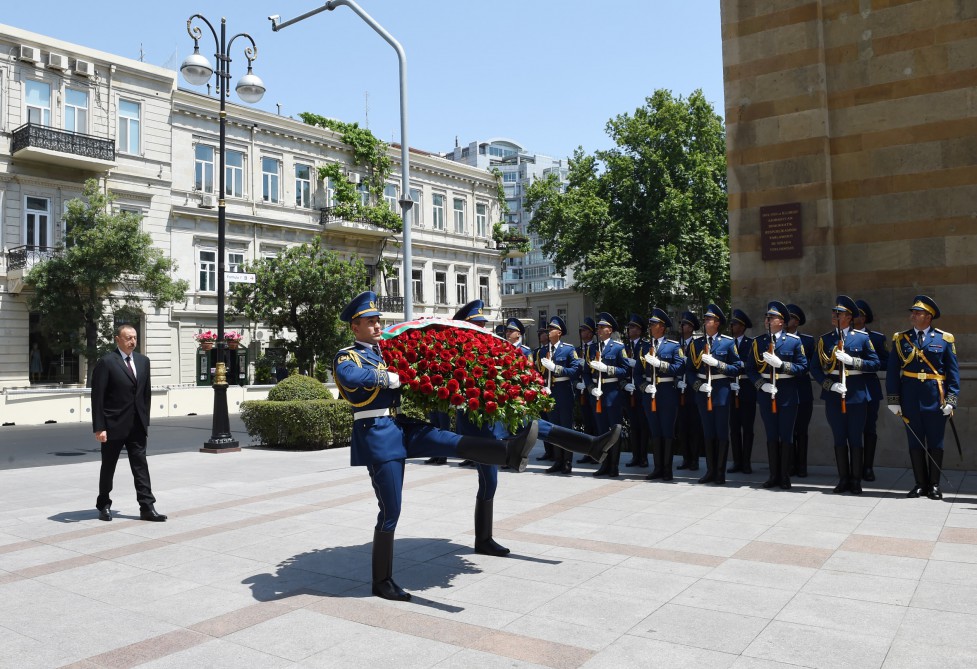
{"type": "Point", "coordinates": [135, 445]}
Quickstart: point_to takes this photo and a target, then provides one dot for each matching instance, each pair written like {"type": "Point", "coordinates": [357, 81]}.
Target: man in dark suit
{"type": "Point", "coordinates": [120, 419]}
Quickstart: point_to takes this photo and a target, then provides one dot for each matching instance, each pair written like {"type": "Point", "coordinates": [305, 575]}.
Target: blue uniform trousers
{"type": "Point", "coordinates": [488, 475]}
{"type": "Point", "coordinates": [715, 423]}
{"type": "Point", "coordinates": [872, 417]}
{"type": "Point", "coordinates": [930, 426]}
{"type": "Point", "coordinates": [742, 418]}
{"type": "Point", "coordinates": [611, 411]}
{"type": "Point", "coordinates": [778, 426]}
{"type": "Point", "coordinates": [847, 427]}
{"type": "Point", "coordinates": [661, 421]}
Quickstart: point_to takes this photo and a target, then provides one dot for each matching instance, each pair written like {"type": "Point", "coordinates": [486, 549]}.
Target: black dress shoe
{"type": "Point", "coordinates": [555, 468]}
{"type": "Point", "coordinates": [868, 474]}
{"type": "Point", "coordinates": [436, 461]}
{"type": "Point", "coordinates": [149, 513]}
{"type": "Point", "coordinates": [935, 493]}
{"type": "Point", "coordinates": [917, 491]}
{"type": "Point", "coordinates": [104, 513]}
{"type": "Point", "coordinates": [467, 463]}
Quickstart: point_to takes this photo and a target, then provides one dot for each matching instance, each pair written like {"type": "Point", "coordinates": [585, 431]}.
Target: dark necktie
{"type": "Point", "coordinates": [376, 349]}
{"type": "Point", "coordinates": [129, 368]}
{"type": "Point", "coordinates": [919, 338]}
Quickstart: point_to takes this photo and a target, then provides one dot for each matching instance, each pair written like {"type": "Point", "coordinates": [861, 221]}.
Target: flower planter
{"type": "Point", "coordinates": [206, 345]}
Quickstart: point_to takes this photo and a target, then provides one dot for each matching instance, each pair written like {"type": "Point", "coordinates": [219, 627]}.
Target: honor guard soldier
{"type": "Point", "coordinates": [776, 358]}
{"type": "Point", "coordinates": [587, 351]}
{"type": "Point", "coordinates": [871, 436]}
{"type": "Point", "coordinates": [635, 348]}
{"type": "Point", "coordinates": [661, 367]}
{"type": "Point", "coordinates": [514, 332]}
{"type": "Point", "coordinates": [805, 394]}
{"type": "Point", "coordinates": [559, 365]}
{"type": "Point", "coordinates": [743, 414]}
{"type": "Point", "coordinates": [382, 440]}
{"type": "Point", "coordinates": [689, 426]}
{"type": "Point", "coordinates": [923, 383]}
{"type": "Point", "coordinates": [607, 370]}
{"type": "Point", "coordinates": [543, 336]}
{"type": "Point", "coordinates": [845, 355]}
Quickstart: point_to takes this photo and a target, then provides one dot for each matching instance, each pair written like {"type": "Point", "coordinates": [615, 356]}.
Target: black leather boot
{"type": "Point", "coordinates": [656, 454]}
{"type": "Point", "coordinates": [722, 453]}
{"type": "Point", "coordinates": [786, 458]}
{"type": "Point", "coordinates": [736, 445]}
{"type": "Point", "coordinates": [710, 474]}
{"type": "Point", "coordinates": [920, 474]}
{"type": "Point", "coordinates": [578, 442]}
{"type": "Point", "coordinates": [800, 455]}
{"type": "Point", "coordinates": [609, 467]}
{"type": "Point", "coordinates": [868, 471]}
{"type": "Point", "coordinates": [513, 452]}
{"type": "Point", "coordinates": [844, 474]}
{"type": "Point", "coordinates": [667, 446]}
{"type": "Point", "coordinates": [747, 455]}
{"type": "Point", "coordinates": [936, 470]}
{"type": "Point", "coordinates": [855, 483]}
{"type": "Point", "coordinates": [558, 462]}
{"type": "Point", "coordinates": [773, 463]}
{"type": "Point", "coordinates": [547, 455]}
{"type": "Point", "coordinates": [383, 565]}
{"type": "Point", "coordinates": [484, 543]}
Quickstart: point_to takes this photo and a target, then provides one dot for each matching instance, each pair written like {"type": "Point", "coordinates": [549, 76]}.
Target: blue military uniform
{"type": "Point", "coordinates": [605, 395]}
{"type": "Point", "coordinates": [871, 436]}
{"type": "Point", "coordinates": [714, 406]}
{"type": "Point", "coordinates": [688, 424]}
{"type": "Point", "coordinates": [779, 423]}
{"type": "Point", "coordinates": [660, 394]}
{"type": "Point", "coordinates": [548, 454]}
{"type": "Point", "coordinates": [587, 351]}
{"type": "Point", "coordinates": [560, 381]}
{"type": "Point", "coordinates": [635, 349]}
{"type": "Point", "coordinates": [743, 414]}
{"type": "Point", "coordinates": [923, 383]}
{"type": "Point", "coordinates": [805, 395]}
{"type": "Point", "coordinates": [846, 413]}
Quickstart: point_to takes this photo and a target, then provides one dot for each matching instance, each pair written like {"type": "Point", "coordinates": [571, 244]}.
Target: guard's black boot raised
{"type": "Point", "coordinates": [667, 446]}
{"type": "Point", "coordinates": [934, 491]}
{"type": "Point", "coordinates": [513, 452]}
{"type": "Point", "coordinates": [868, 465]}
{"type": "Point", "coordinates": [855, 483]}
{"type": "Point", "coordinates": [786, 460]}
{"type": "Point", "coordinates": [484, 543]}
{"type": "Point", "coordinates": [844, 474]}
{"type": "Point", "coordinates": [773, 462]}
{"type": "Point", "coordinates": [383, 565]}
{"type": "Point", "coordinates": [710, 474]}
{"type": "Point", "coordinates": [917, 457]}
{"type": "Point", "coordinates": [722, 453]}
{"type": "Point", "coordinates": [656, 453]}
{"type": "Point", "coordinates": [579, 442]}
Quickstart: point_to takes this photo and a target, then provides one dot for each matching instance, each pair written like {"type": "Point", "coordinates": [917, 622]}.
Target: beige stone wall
{"type": "Point", "coordinates": [865, 111]}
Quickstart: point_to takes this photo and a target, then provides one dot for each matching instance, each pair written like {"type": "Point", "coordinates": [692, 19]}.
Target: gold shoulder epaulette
{"type": "Point", "coordinates": [947, 337]}
{"type": "Point", "coordinates": [896, 336]}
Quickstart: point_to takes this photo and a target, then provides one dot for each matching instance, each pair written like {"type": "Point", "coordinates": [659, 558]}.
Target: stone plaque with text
{"type": "Point", "coordinates": [780, 232]}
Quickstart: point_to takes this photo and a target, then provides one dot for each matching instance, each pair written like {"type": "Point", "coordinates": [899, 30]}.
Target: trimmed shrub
{"type": "Point", "coordinates": [298, 424]}
{"type": "Point", "coordinates": [298, 387]}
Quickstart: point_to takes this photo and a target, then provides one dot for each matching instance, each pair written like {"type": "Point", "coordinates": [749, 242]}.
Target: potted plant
{"type": "Point", "coordinates": [232, 338]}
{"type": "Point", "coordinates": [206, 339]}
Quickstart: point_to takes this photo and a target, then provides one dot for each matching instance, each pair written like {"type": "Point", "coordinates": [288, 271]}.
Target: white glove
{"type": "Point", "coordinates": [596, 392]}
{"type": "Point", "coordinates": [844, 358]}
{"type": "Point", "coordinates": [895, 409]}
{"type": "Point", "coordinates": [653, 360]}
{"type": "Point", "coordinates": [947, 409]}
{"type": "Point", "coordinates": [581, 385]}
{"type": "Point", "coordinates": [770, 389]}
{"type": "Point", "coordinates": [772, 360]}
{"type": "Point", "coordinates": [705, 388]}
{"type": "Point", "coordinates": [549, 364]}
{"type": "Point", "coordinates": [651, 389]}
{"type": "Point", "coordinates": [838, 388]}
{"type": "Point", "coordinates": [598, 365]}
{"type": "Point", "coordinates": [547, 391]}
{"type": "Point", "coordinates": [629, 387]}
{"type": "Point", "coordinates": [682, 385]}
{"type": "Point", "coordinates": [710, 359]}
{"type": "Point", "coordinates": [393, 380]}
{"type": "Point", "coordinates": [734, 386]}
{"type": "Point", "coordinates": [630, 362]}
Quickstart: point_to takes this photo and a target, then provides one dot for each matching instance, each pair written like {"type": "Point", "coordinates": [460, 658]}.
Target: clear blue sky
{"type": "Point", "coordinates": [546, 73]}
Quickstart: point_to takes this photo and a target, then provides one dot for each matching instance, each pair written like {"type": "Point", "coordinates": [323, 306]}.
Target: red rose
{"type": "Point", "coordinates": [457, 399]}
{"type": "Point", "coordinates": [437, 380]}
{"type": "Point", "coordinates": [472, 392]}
{"type": "Point", "coordinates": [477, 372]}
{"type": "Point", "coordinates": [473, 404]}
{"type": "Point", "coordinates": [460, 374]}
{"type": "Point", "coordinates": [443, 393]}
{"type": "Point", "coordinates": [491, 407]}
{"type": "Point", "coordinates": [453, 385]}
{"type": "Point", "coordinates": [490, 385]}
{"type": "Point", "coordinates": [529, 396]}
{"type": "Point", "coordinates": [414, 384]}
{"type": "Point", "coordinates": [411, 356]}
{"type": "Point", "coordinates": [488, 395]}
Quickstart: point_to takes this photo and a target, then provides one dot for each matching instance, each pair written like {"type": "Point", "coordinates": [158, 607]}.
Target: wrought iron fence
{"type": "Point", "coordinates": [387, 303]}
{"type": "Point", "coordinates": [32, 135]}
{"type": "Point", "coordinates": [23, 257]}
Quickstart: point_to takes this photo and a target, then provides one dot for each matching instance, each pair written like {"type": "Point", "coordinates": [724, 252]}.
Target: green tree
{"type": "Point", "coordinates": [302, 290]}
{"type": "Point", "coordinates": [107, 265]}
{"type": "Point", "coordinates": [644, 222]}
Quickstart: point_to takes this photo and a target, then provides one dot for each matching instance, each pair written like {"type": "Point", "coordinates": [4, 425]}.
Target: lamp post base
{"type": "Point", "coordinates": [221, 440]}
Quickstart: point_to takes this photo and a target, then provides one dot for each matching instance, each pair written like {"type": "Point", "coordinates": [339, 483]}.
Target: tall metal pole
{"type": "Point", "coordinates": [405, 201]}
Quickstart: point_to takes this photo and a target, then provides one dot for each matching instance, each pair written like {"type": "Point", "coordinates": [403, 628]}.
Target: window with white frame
{"type": "Point", "coordinates": [129, 113]}
{"type": "Point", "coordinates": [441, 287]}
{"type": "Point", "coordinates": [461, 288]}
{"type": "Point", "coordinates": [271, 180]}
{"type": "Point", "coordinates": [418, 209]}
{"type": "Point", "coordinates": [437, 220]}
{"type": "Point", "coordinates": [417, 285]}
{"type": "Point", "coordinates": [203, 168]}
{"type": "Point", "coordinates": [481, 220]}
{"type": "Point", "coordinates": [37, 221]}
{"type": "Point", "coordinates": [483, 289]}
{"type": "Point", "coordinates": [330, 192]}
{"type": "Point", "coordinates": [235, 261]}
{"type": "Point", "coordinates": [38, 97]}
{"type": "Point", "coordinates": [459, 215]}
{"type": "Point", "coordinates": [390, 197]}
{"type": "Point", "coordinates": [76, 110]}
{"type": "Point", "coordinates": [234, 173]}
{"type": "Point", "coordinates": [391, 281]}
{"type": "Point", "coordinates": [542, 317]}
{"type": "Point", "coordinates": [207, 265]}
{"type": "Point", "coordinates": [303, 185]}
{"type": "Point", "coordinates": [510, 177]}
{"type": "Point", "coordinates": [364, 190]}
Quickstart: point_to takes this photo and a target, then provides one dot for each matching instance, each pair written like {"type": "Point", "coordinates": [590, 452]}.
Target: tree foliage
{"type": "Point", "coordinates": [302, 290]}
{"type": "Point", "coordinates": [644, 222]}
{"type": "Point", "coordinates": [107, 265]}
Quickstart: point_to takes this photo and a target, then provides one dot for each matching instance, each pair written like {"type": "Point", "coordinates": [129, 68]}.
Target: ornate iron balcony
{"type": "Point", "coordinates": [76, 148]}
{"type": "Point", "coordinates": [515, 312]}
{"type": "Point", "coordinates": [390, 304]}
{"type": "Point", "coordinates": [329, 215]}
{"type": "Point", "coordinates": [25, 257]}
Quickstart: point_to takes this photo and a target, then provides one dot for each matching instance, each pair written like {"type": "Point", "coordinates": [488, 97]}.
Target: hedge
{"type": "Point", "coordinates": [298, 424]}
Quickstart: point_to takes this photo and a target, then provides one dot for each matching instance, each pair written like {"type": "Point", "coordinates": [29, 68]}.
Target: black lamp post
{"type": "Point", "coordinates": [197, 71]}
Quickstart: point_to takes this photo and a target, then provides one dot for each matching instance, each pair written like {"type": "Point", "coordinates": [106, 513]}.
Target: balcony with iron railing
{"type": "Point", "coordinates": [389, 304]}
{"type": "Point", "coordinates": [45, 144]}
{"type": "Point", "coordinates": [20, 260]}
{"type": "Point", "coordinates": [336, 220]}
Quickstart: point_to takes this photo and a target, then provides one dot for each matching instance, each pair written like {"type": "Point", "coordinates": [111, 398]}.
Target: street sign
{"type": "Point", "coordinates": [239, 277]}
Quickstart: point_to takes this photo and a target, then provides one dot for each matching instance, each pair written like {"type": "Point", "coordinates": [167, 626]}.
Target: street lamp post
{"type": "Point", "coordinates": [197, 71]}
{"type": "Point", "coordinates": [405, 202]}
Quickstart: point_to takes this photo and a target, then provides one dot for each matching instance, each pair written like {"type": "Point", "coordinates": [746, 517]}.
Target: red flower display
{"type": "Point", "coordinates": [446, 367]}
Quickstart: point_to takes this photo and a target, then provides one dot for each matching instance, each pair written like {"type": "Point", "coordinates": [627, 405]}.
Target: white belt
{"type": "Point", "coordinates": [849, 372]}
{"type": "Point", "coordinates": [560, 378]}
{"type": "Point", "coordinates": [660, 379]}
{"type": "Point", "coordinates": [611, 380]}
{"type": "Point", "coordinates": [715, 377]}
{"type": "Point", "coordinates": [374, 413]}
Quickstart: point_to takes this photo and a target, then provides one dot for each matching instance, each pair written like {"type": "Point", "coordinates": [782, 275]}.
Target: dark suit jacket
{"type": "Point", "coordinates": [118, 402]}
